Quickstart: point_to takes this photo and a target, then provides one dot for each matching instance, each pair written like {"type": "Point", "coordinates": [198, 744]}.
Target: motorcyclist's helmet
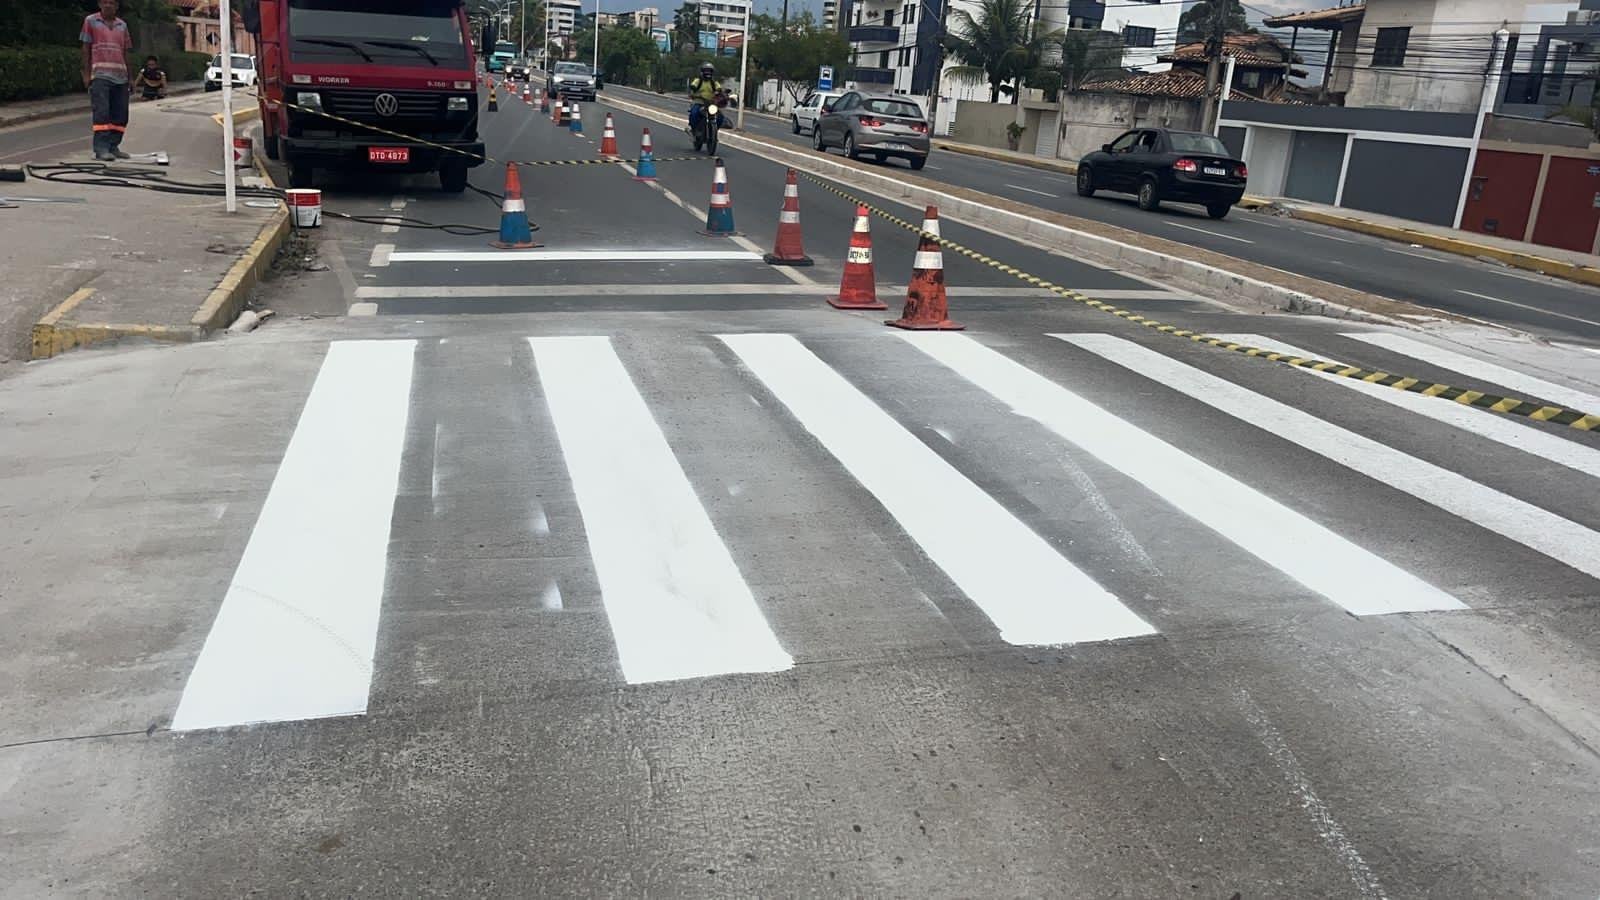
{"type": "Point", "coordinates": [707, 70]}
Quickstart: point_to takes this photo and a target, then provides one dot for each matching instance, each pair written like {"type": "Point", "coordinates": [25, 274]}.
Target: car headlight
{"type": "Point", "coordinates": [559, 79]}
{"type": "Point", "coordinates": [456, 104]}
{"type": "Point", "coordinates": [712, 109]}
{"type": "Point", "coordinates": [311, 100]}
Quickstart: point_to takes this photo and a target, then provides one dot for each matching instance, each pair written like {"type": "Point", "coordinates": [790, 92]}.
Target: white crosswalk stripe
{"type": "Point", "coordinates": [1031, 593]}
{"type": "Point", "coordinates": [295, 636]}
{"type": "Point", "coordinates": [1357, 580]}
{"type": "Point", "coordinates": [1533, 386]}
{"type": "Point", "coordinates": [1550, 534]}
{"type": "Point", "coordinates": [1484, 423]}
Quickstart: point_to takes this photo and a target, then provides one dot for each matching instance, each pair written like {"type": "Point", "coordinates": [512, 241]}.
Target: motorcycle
{"type": "Point", "coordinates": [710, 124]}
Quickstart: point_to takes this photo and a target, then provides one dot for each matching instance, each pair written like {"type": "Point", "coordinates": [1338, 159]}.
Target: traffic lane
{"type": "Point", "coordinates": [46, 141]}
{"type": "Point", "coordinates": [756, 185]}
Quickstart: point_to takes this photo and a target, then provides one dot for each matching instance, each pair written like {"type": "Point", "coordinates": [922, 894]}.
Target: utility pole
{"type": "Point", "coordinates": [1214, 44]}
{"type": "Point", "coordinates": [1486, 101]}
{"type": "Point", "coordinates": [938, 67]}
{"type": "Point", "coordinates": [225, 32]}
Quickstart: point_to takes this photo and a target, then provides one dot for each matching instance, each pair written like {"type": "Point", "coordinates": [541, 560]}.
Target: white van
{"type": "Point", "coordinates": [804, 117]}
{"type": "Point", "coordinates": [244, 71]}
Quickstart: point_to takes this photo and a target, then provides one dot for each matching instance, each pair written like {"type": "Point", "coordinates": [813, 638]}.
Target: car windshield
{"type": "Point", "coordinates": [325, 29]}
{"type": "Point", "coordinates": [893, 108]}
{"type": "Point", "coordinates": [571, 68]}
{"type": "Point", "coordinates": [1185, 142]}
{"type": "Point", "coordinates": [239, 62]}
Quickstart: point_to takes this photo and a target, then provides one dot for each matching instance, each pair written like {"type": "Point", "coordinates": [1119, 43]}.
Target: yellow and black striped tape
{"type": "Point", "coordinates": [1509, 405]}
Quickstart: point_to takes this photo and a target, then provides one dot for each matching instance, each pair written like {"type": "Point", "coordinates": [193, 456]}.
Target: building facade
{"type": "Point", "coordinates": [643, 19]}
{"type": "Point", "coordinates": [723, 15]}
{"type": "Point", "coordinates": [563, 16]}
{"type": "Point", "coordinates": [1149, 31]}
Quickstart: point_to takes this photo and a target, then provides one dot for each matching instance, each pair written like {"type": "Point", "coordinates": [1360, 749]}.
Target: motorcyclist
{"type": "Point", "coordinates": [702, 92]}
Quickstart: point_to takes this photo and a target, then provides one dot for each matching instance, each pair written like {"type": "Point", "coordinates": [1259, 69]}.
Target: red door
{"type": "Point", "coordinates": [1500, 198]}
{"type": "Point", "coordinates": [1570, 211]}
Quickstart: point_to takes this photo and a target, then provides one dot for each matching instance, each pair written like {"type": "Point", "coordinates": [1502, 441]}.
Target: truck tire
{"type": "Point", "coordinates": [453, 177]}
{"type": "Point", "coordinates": [301, 175]}
{"type": "Point", "coordinates": [269, 145]}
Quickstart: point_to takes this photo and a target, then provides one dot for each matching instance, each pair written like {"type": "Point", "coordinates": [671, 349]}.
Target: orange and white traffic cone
{"type": "Point", "coordinates": [608, 139]}
{"type": "Point", "coordinates": [789, 249]}
{"type": "Point", "coordinates": [859, 287]}
{"type": "Point", "coordinates": [544, 102]}
{"type": "Point", "coordinates": [719, 215]}
{"type": "Point", "coordinates": [927, 308]}
{"type": "Point", "coordinates": [515, 231]}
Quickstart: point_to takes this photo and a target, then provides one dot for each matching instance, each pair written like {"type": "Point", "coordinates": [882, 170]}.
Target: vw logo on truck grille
{"type": "Point", "coordinates": [386, 104]}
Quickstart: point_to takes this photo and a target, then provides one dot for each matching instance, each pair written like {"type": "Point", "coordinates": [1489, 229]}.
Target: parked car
{"type": "Point", "coordinates": [519, 70]}
{"type": "Point", "coordinates": [882, 126]}
{"type": "Point", "coordinates": [244, 71]}
{"type": "Point", "coordinates": [1161, 164]}
{"type": "Point", "coordinates": [804, 117]}
{"type": "Point", "coordinates": [573, 79]}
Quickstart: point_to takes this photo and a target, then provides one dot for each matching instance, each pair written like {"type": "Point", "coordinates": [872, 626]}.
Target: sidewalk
{"type": "Point", "coordinates": [74, 104]}
{"type": "Point", "coordinates": [1583, 268]}
{"type": "Point", "coordinates": [111, 262]}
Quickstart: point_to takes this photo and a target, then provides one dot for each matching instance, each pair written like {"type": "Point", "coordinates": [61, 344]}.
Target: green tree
{"type": "Point", "coordinates": [1199, 21]}
{"type": "Point", "coordinates": [793, 54]}
{"type": "Point", "coordinates": [1071, 58]}
{"type": "Point", "coordinates": [996, 46]}
{"type": "Point", "coordinates": [686, 29]}
{"type": "Point", "coordinates": [43, 22]}
{"type": "Point", "coordinates": [627, 55]}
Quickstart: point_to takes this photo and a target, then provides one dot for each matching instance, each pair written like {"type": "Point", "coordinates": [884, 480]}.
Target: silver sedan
{"type": "Point", "coordinates": [882, 126]}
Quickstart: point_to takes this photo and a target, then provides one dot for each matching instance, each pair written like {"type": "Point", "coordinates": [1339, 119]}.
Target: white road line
{"type": "Point", "coordinates": [380, 256]}
{"type": "Point", "coordinates": [1477, 368]}
{"type": "Point", "coordinates": [295, 636]}
{"type": "Point", "coordinates": [1558, 538]}
{"type": "Point", "coordinates": [1350, 576]}
{"type": "Point", "coordinates": [393, 226]}
{"type": "Point", "coordinates": [1417, 255]}
{"type": "Point", "coordinates": [1500, 429]}
{"type": "Point", "coordinates": [1537, 309]}
{"type": "Point", "coordinates": [619, 255]}
{"type": "Point", "coordinates": [1330, 237]}
{"type": "Point", "coordinates": [1018, 187]}
{"type": "Point", "coordinates": [677, 604]}
{"type": "Point", "coordinates": [1210, 232]}
{"type": "Point", "coordinates": [1030, 592]}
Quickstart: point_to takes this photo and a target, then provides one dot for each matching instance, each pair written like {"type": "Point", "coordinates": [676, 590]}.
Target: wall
{"type": "Point", "coordinates": [1090, 119]}
{"type": "Point", "coordinates": [1267, 157]}
{"type": "Point", "coordinates": [1569, 212]}
{"type": "Point", "coordinates": [982, 123]}
{"type": "Point", "coordinates": [1412, 181]}
{"type": "Point", "coordinates": [1500, 201]}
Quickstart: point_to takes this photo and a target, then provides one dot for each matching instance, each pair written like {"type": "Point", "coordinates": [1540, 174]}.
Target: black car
{"type": "Point", "coordinates": [1160, 164]}
{"type": "Point", "coordinates": [518, 70]}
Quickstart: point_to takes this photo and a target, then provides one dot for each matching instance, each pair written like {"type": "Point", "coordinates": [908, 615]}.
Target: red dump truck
{"type": "Point", "coordinates": [368, 84]}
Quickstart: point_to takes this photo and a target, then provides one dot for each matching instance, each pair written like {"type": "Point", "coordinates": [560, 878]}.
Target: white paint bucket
{"type": "Point", "coordinates": [243, 152]}
{"type": "Point", "coordinates": [305, 204]}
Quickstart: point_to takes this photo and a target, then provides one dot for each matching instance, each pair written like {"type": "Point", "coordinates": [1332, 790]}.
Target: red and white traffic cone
{"type": "Point", "coordinates": [544, 102]}
{"type": "Point", "coordinates": [859, 287]}
{"type": "Point", "coordinates": [789, 248]}
{"type": "Point", "coordinates": [719, 215]}
{"type": "Point", "coordinates": [515, 231]}
{"type": "Point", "coordinates": [527, 93]}
{"type": "Point", "coordinates": [927, 308]}
{"type": "Point", "coordinates": [646, 170]}
{"type": "Point", "coordinates": [608, 139]}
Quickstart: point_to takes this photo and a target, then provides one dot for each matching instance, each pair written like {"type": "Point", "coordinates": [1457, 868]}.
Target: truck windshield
{"type": "Point", "coordinates": [425, 32]}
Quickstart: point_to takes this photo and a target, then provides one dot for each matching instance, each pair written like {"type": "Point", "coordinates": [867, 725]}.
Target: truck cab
{"type": "Point", "coordinates": [504, 54]}
{"type": "Point", "coordinates": [369, 84]}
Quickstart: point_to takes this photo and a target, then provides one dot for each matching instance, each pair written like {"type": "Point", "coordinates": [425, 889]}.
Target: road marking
{"type": "Point", "coordinates": [409, 256]}
{"type": "Point", "coordinates": [934, 168]}
{"type": "Point", "coordinates": [1417, 255]}
{"type": "Point", "coordinates": [1210, 232]}
{"type": "Point", "coordinates": [1018, 187]}
{"type": "Point", "coordinates": [490, 291]}
{"type": "Point", "coordinates": [1477, 368]}
{"type": "Point", "coordinates": [677, 604]}
{"type": "Point", "coordinates": [381, 255]}
{"type": "Point", "coordinates": [1497, 428]}
{"type": "Point", "coordinates": [21, 153]}
{"type": "Point", "coordinates": [1031, 593]}
{"type": "Point", "coordinates": [393, 226]}
{"type": "Point", "coordinates": [1514, 519]}
{"type": "Point", "coordinates": [1526, 306]}
{"type": "Point", "coordinates": [1350, 576]}
{"type": "Point", "coordinates": [295, 635]}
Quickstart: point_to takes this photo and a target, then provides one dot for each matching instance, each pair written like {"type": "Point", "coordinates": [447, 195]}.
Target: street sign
{"type": "Point", "coordinates": [825, 78]}
{"type": "Point", "coordinates": [708, 41]}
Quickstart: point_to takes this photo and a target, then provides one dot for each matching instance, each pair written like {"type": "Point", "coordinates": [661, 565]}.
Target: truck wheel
{"type": "Point", "coordinates": [453, 177]}
{"type": "Point", "coordinates": [300, 175]}
{"type": "Point", "coordinates": [269, 145]}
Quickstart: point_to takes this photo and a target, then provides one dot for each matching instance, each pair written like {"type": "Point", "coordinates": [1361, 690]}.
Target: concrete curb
{"type": "Point", "coordinates": [1196, 276]}
{"type": "Point", "coordinates": [1461, 247]}
{"type": "Point", "coordinates": [56, 333]}
{"type": "Point", "coordinates": [1060, 166]}
{"type": "Point", "coordinates": [76, 109]}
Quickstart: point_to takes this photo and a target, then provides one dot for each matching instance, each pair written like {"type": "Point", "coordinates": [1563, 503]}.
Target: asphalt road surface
{"type": "Point", "coordinates": [632, 569]}
{"type": "Point", "coordinates": [1523, 300]}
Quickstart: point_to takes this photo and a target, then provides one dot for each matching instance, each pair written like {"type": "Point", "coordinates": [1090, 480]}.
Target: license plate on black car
{"type": "Point", "coordinates": [389, 154]}
{"type": "Point", "coordinates": [1215, 170]}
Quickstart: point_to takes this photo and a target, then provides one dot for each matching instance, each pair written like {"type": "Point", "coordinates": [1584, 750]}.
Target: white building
{"type": "Point", "coordinates": [830, 15]}
{"type": "Point", "coordinates": [643, 19]}
{"type": "Point", "coordinates": [1148, 30]}
{"type": "Point", "coordinates": [723, 15]}
{"type": "Point", "coordinates": [563, 15]}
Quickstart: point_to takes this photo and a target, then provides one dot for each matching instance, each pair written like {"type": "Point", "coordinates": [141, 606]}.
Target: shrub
{"type": "Point", "coordinates": [28, 73]}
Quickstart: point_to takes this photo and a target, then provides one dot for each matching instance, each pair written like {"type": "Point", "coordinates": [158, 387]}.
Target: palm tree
{"type": "Point", "coordinates": [997, 45]}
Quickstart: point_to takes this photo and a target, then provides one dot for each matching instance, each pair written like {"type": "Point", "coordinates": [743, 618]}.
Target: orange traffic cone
{"type": "Point", "coordinates": [608, 139]}
{"type": "Point", "coordinates": [859, 287]}
{"type": "Point", "coordinates": [927, 308]}
{"type": "Point", "coordinates": [515, 231]}
{"type": "Point", "coordinates": [789, 249]}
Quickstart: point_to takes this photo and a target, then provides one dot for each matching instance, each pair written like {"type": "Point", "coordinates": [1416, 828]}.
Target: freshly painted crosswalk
{"type": "Point", "coordinates": [295, 635]}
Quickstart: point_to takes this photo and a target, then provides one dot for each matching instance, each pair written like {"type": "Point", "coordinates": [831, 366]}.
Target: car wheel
{"type": "Point", "coordinates": [850, 146]}
{"type": "Point", "coordinates": [917, 162]}
{"type": "Point", "coordinates": [1149, 195]}
{"type": "Point", "coordinates": [1218, 210]}
{"type": "Point", "coordinates": [816, 139]}
{"type": "Point", "coordinates": [1085, 181]}
{"type": "Point", "coordinates": [794, 124]}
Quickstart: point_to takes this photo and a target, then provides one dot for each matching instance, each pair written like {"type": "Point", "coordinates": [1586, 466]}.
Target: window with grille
{"type": "Point", "coordinates": [1390, 49]}
{"type": "Point", "coordinates": [1138, 36]}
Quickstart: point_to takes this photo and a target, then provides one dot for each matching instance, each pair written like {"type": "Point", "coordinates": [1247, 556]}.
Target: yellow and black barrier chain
{"type": "Point", "coordinates": [1509, 405]}
{"type": "Point", "coordinates": [412, 139]}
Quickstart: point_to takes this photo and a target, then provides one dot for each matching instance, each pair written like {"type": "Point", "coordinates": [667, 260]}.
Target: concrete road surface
{"type": "Point", "coordinates": [634, 569]}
